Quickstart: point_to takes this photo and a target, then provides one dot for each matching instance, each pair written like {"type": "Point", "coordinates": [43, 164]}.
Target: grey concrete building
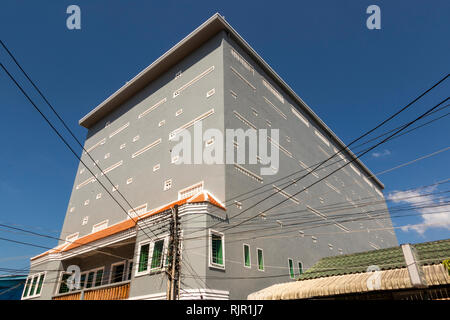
{"type": "Point", "coordinates": [230, 245]}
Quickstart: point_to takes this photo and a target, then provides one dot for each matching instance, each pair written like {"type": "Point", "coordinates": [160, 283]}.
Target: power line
{"type": "Point", "coordinates": [346, 164]}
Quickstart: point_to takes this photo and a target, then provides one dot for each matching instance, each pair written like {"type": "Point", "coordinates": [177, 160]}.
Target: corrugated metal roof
{"type": "Point", "coordinates": [345, 274]}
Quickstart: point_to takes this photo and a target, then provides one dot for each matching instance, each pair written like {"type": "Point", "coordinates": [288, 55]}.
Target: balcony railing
{"type": "Point", "coordinates": [116, 291]}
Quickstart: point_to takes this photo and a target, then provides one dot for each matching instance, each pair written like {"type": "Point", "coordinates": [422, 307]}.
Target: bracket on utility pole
{"type": "Point", "coordinates": [173, 270]}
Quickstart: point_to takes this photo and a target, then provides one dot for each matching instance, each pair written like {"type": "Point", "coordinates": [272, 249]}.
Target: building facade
{"type": "Point", "coordinates": [230, 245]}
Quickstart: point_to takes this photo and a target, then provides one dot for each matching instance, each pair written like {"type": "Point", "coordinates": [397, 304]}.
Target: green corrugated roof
{"type": "Point", "coordinates": [390, 258]}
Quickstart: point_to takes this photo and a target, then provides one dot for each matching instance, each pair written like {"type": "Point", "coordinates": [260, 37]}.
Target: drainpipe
{"type": "Point", "coordinates": [414, 269]}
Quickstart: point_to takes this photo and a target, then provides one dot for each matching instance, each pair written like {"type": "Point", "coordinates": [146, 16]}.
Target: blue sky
{"type": "Point", "coordinates": [352, 77]}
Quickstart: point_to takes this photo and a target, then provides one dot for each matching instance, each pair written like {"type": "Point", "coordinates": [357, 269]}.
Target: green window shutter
{"type": "Point", "coordinates": [99, 278]}
{"type": "Point", "coordinates": [246, 255]}
{"type": "Point", "coordinates": [217, 249]}
{"type": "Point", "coordinates": [27, 287]}
{"type": "Point", "coordinates": [300, 268]}
{"type": "Point", "coordinates": [40, 283]}
{"type": "Point", "coordinates": [260, 260]}
{"type": "Point", "coordinates": [291, 269]}
{"type": "Point", "coordinates": [90, 279]}
{"type": "Point", "coordinates": [33, 285]}
{"type": "Point", "coordinates": [143, 258]}
{"type": "Point", "coordinates": [63, 288]}
{"type": "Point", "coordinates": [157, 254]}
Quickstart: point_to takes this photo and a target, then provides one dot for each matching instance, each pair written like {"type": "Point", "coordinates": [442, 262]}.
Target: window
{"type": "Point", "coordinates": [130, 269]}
{"type": "Point", "coordinates": [191, 123]}
{"type": "Point", "coordinates": [233, 94]}
{"type": "Point", "coordinates": [107, 155]}
{"type": "Point", "coordinates": [157, 254]}
{"type": "Point", "coordinates": [194, 80]}
{"type": "Point", "coordinates": [119, 130]}
{"type": "Point", "coordinates": [281, 113]}
{"type": "Point", "coordinates": [244, 62]}
{"type": "Point", "coordinates": [63, 287]}
{"type": "Point", "coordinates": [217, 249]}
{"type": "Point", "coordinates": [179, 111]}
{"type": "Point", "coordinates": [85, 221]}
{"type": "Point", "coordinates": [255, 112]}
{"type": "Point", "coordinates": [241, 77]}
{"type": "Point", "coordinates": [248, 173]}
{"type": "Point", "coordinates": [247, 262]}
{"type": "Point", "coordinates": [210, 93]}
{"type": "Point", "coordinates": [314, 239]}
{"type": "Point", "coordinates": [146, 148]}
{"type": "Point", "coordinates": [86, 202]}
{"type": "Point", "coordinates": [98, 277]}
{"type": "Point", "coordinates": [190, 191]}
{"type": "Point", "coordinates": [136, 138]}
{"type": "Point", "coordinates": [167, 184]}
{"type": "Point", "coordinates": [123, 145]}
{"type": "Point", "coordinates": [268, 123]}
{"type": "Point", "coordinates": [238, 204]}
{"type": "Point", "coordinates": [98, 196]}
{"type": "Point", "coordinates": [100, 226]}
{"type": "Point", "coordinates": [300, 268]}
{"type": "Point", "coordinates": [96, 145]}
{"type": "Point", "coordinates": [161, 123]}
{"type": "Point", "coordinates": [299, 116]}
{"type": "Point", "coordinates": [33, 285]}
{"type": "Point", "coordinates": [156, 167]}
{"type": "Point", "coordinates": [144, 250]}
{"type": "Point", "coordinates": [321, 137]}
{"type": "Point", "coordinates": [273, 90]}
{"type": "Point", "coordinates": [137, 211]}
{"type": "Point", "coordinates": [71, 238]}
{"type": "Point", "coordinates": [129, 180]}
{"type": "Point", "coordinates": [260, 259]}
{"type": "Point", "coordinates": [117, 272]}
{"type": "Point", "coordinates": [153, 107]}
{"type": "Point", "coordinates": [114, 166]}
{"type": "Point", "coordinates": [291, 268]}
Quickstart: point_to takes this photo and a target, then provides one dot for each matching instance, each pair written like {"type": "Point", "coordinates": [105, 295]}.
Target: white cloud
{"type": "Point", "coordinates": [384, 153]}
{"type": "Point", "coordinates": [437, 216]}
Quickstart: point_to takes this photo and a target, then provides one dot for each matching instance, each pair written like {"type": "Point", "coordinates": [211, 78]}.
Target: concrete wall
{"type": "Point", "coordinates": [281, 243]}
{"type": "Point", "coordinates": [147, 185]}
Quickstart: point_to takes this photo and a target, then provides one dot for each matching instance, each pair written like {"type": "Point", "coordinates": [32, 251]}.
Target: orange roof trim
{"type": "Point", "coordinates": [201, 197]}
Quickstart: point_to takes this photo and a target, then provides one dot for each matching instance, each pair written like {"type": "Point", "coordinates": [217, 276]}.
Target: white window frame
{"type": "Point", "coordinates": [138, 273]}
{"type": "Point", "coordinates": [249, 255]}
{"type": "Point", "coordinates": [163, 257]}
{"type": "Point", "coordinates": [210, 263]}
{"type": "Point", "coordinates": [31, 278]}
{"type": "Point", "coordinates": [124, 274]}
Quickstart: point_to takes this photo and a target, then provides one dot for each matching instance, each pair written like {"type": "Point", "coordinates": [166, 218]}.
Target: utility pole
{"type": "Point", "coordinates": [173, 270]}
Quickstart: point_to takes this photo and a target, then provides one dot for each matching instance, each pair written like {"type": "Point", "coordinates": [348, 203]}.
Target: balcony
{"type": "Point", "coordinates": [115, 291]}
